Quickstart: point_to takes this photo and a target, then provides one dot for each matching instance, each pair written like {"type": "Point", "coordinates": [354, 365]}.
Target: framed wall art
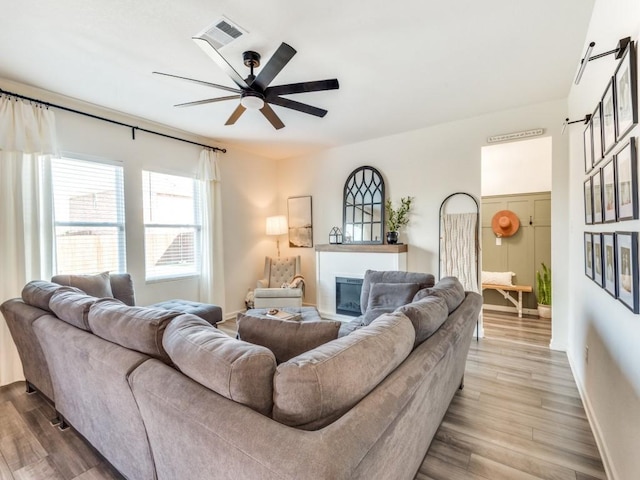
{"type": "Point", "coordinates": [608, 119]}
{"type": "Point", "coordinates": [627, 267]}
{"type": "Point", "coordinates": [596, 195]}
{"type": "Point", "coordinates": [627, 181]}
{"type": "Point", "coordinates": [588, 148]}
{"type": "Point", "coordinates": [609, 257]}
{"type": "Point", "coordinates": [596, 132]}
{"type": "Point", "coordinates": [597, 259]}
{"type": "Point", "coordinates": [609, 191]}
{"type": "Point", "coordinates": [588, 254]}
{"type": "Point", "coordinates": [626, 95]}
{"type": "Point", "coordinates": [300, 221]}
{"type": "Point", "coordinates": [588, 202]}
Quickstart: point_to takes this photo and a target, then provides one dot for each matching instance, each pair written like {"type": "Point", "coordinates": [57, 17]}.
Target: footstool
{"type": "Point", "coordinates": [206, 311]}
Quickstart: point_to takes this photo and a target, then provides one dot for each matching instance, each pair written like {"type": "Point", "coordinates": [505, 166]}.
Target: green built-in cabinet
{"type": "Point", "coordinates": [523, 252]}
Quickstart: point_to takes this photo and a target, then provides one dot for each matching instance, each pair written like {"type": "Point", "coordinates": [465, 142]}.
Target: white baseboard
{"type": "Point", "coordinates": [503, 308]}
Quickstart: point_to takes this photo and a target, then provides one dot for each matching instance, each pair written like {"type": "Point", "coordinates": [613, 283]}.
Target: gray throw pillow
{"type": "Point", "coordinates": [95, 285]}
{"type": "Point", "coordinates": [449, 289]}
{"type": "Point", "coordinates": [391, 295]}
{"type": "Point", "coordinates": [286, 339]}
{"type": "Point", "coordinates": [427, 316]}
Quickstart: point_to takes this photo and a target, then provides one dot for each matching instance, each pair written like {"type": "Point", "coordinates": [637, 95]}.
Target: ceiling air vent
{"type": "Point", "coordinates": [222, 32]}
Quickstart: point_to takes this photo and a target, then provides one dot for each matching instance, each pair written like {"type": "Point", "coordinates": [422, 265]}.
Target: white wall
{"type": "Point", "coordinates": [610, 381]}
{"type": "Point", "coordinates": [517, 167]}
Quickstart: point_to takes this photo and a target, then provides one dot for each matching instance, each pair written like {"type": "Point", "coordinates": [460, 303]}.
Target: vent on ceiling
{"type": "Point", "coordinates": [222, 32]}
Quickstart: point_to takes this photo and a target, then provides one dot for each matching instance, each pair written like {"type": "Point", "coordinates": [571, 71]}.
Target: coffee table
{"type": "Point", "coordinates": [308, 314]}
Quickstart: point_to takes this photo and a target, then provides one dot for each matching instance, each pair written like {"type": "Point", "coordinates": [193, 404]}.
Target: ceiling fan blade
{"type": "Point", "coordinates": [270, 115]}
{"type": "Point", "coordinates": [235, 115]}
{"type": "Point", "coordinates": [209, 100]}
{"type": "Point", "coordinates": [200, 82]}
{"type": "Point", "coordinates": [274, 65]}
{"type": "Point", "coordinates": [210, 50]}
{"type": "Point", "coordinates": [302, 87]}
{"type": "Point", "coordinates": [301, 107]}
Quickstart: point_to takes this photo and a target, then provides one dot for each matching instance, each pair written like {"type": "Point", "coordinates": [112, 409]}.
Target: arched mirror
{"type": "Point", "coordinates": [363, 207]}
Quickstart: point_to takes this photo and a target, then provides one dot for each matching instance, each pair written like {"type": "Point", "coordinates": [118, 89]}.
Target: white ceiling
{"type": "Point", "coordinates": [402, 64]}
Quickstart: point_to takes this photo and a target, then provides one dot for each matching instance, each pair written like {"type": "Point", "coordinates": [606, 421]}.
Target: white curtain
{"type": "Point", "coordinates": [459, 256]}
{"type": "Point", "coordinates": [212, 269]}
{"type": "Point", "coordinates": [27, 140]}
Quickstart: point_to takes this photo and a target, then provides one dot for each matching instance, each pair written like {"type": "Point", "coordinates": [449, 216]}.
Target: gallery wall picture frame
{"type": "Point", "coordinates": [609, 263]}
{"type": "Point", "coordinates": [627, 181]}
{"type": "Point", "coordinates": [627, 267]}
{"type": "Point", "coordinates": [588, 254]}
{"type": "Point", "coordinates": [608, 119]}
{"type": "Point", "coordinates": [588, 202]}
{"type": "Point", "coordinates": [598, 277]}
{"type": "Point", "coordinates": [596, 195]}
{"type": "Point", "coordinates": [596, 132]}
{"type": "Point", "coordinates": [609, 191]}
{"type": "Point", "coordinates": [626, 92]}
{"type": "Point", "coordinates": [300, 222]}
{"type": "Point", "coordinates": [588, 148]}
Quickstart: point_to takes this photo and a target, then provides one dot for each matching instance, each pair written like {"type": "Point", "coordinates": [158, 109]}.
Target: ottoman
{"type": "Point", "coordinates": [206, 311]}
{"type": "Point", "coordinates": [308, 314]}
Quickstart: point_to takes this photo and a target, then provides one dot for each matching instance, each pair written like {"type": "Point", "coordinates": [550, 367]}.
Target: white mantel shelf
{"type": "Point", "coordinates": [363, 248]}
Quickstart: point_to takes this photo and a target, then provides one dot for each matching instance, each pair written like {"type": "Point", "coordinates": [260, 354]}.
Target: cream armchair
{"type": "Point", "coordinates": [278, 272]}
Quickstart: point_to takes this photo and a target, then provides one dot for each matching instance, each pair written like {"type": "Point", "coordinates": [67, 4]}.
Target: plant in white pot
{"type": "Point", "coordinates": [396, 218]}
{"type": "Point", "coordinates": [543, 280]}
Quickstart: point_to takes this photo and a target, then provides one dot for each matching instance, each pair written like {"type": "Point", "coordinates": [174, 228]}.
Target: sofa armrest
{"type": "Point", "coordinates": [264, 283]}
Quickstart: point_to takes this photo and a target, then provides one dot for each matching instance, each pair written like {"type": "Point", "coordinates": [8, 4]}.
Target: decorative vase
{"type": "Point", "coordinates": [392, 238]}
{"type": "Point", "coordinates": [544, 311]}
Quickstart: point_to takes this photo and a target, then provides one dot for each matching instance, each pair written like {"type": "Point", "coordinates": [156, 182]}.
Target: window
{"type": "Point", "coordinates": [172, 225]}
{"type": "Point", "coordinates": [88, 216]}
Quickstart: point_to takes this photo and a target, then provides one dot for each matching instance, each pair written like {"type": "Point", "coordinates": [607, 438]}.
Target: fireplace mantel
{"type": "Point", "coordinates": [362, 248]}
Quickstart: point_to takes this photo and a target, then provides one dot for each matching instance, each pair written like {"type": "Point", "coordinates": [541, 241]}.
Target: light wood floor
{"type": "Point", "coordinates": [518, 417]}
{"type": "Point", "coordinates": [529, 329]}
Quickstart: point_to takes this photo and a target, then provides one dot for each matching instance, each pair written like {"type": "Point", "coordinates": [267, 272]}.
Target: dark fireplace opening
{"type": "Point", "coordinates": [348, 296]}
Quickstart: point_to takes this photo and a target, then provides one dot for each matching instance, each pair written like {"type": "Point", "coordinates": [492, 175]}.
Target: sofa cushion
{"type": "Point", "coordinates": [122, 288]}
{"type": "Point", "coordinates": [96, 285]}
{"type": "Point", "coordinates": [38, 293]}
{"type": "Point", "coordinates": [137, 328]}
{"type": "Point", "coordinates": [390, 276]}
{"type": "Point", "coordinates": [426, 315]}
{"type": "Point", "coordinates": [391, 295]}
{"type": "Point", "coordinates": [286, 339]}
{"type": "Point", "coordinates": [232, 368]}
{"type": "Point", "coordinates": [72, 306]}
{"type": "Point", "coordinates": [449, 289]}
{"type": "Point", "coordinates": [317, 387]}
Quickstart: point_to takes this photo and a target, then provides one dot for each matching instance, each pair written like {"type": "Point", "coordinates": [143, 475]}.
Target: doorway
{"type": "Point", "coordinates": [516, 177]}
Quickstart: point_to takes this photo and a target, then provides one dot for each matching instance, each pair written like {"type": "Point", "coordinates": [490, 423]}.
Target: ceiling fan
{"type": "Point", "coordinates": [254, 92]}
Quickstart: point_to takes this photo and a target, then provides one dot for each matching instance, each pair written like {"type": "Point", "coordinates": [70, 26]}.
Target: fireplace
{"type": "Point", "coordinates": [348, 296]}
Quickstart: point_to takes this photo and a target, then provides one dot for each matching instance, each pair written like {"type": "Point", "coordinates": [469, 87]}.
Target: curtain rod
{"type": "Point", "coordinates": [97, 117]}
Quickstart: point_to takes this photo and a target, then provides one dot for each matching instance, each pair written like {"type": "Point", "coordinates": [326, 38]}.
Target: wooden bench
{"type": "Point", "coordinates": [505, 289]}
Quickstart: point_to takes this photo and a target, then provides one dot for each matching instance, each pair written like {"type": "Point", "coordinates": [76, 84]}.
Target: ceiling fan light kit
{"type": "Point", "coordinates": [254, 92]}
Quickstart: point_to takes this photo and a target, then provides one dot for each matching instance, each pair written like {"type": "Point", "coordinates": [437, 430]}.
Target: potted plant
{"type": "Point", "coordinates": [543, 280]}
{"type": "Point", "coordinates": [397, 218]}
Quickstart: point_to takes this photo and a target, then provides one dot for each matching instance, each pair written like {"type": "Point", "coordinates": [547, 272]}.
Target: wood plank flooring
{"type": "Point", "coordinates": [529, 329]}
{"type": "Point", "coordinates": [518, 417]}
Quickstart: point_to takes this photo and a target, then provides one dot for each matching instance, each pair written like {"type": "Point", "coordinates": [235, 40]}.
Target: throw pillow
{"type": "Point", "coordinates": [391, 295]}
{"type": "Point", "coordinates": [449, 289]}
{"type": "Point", "coordinates": [427, 316]}
{"type": "Point", "coordinates": [497, 278]}
{"type": "Point", "coordinates": [95, 285]}
{"type": "Point", "coordinates": [286, 339]}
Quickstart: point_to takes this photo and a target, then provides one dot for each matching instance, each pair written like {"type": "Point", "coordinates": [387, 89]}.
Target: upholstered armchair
{"type": "Point", "coordinates": [273, 290]}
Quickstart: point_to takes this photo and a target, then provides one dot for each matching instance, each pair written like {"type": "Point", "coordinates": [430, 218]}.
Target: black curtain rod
{"type": "Point", "coordinates": [97, 117]}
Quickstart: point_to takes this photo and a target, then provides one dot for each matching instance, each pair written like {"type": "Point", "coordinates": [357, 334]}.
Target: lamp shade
{"type": "Point", "coordinates": [277, 225]}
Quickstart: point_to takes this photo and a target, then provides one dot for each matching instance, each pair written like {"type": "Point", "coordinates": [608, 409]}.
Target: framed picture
{"type": "Point", "coordinates": [609, 257]}
{"type": "Point", "coordinates": [609, 191]}
{"type": "Point", "coordinates": [596, 194]}
{"type": "Point", "coordinates": [627, 181]}
{"type": "Point", "coordinates": [608, 119]}
{"type": "Point", "coordinates": [596, 133]}
{"type": "Point", "coordinates": [626, 94]}
{"type": "Point", "coordinates": [588, 148]}
{"type": "Point", "coordinates": [627, 265]}
{"type": "Point", "coordinates": [300, 221]}
{"type": "Point", "coordinates": [597, 259]}
{"type": "Point", "coordinates": [588, 254]}
{"type": "Point", "coordinates": [588, 202]}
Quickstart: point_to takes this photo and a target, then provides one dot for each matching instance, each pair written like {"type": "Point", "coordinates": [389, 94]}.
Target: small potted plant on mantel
{"type": "Point", "coordinates": [396, 218]}
{"type": "Point", "coordinates": [544, 291]}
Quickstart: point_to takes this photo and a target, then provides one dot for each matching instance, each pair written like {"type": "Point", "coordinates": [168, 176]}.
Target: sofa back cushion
{"type": "Point", "coordinates": [96, 285]}
{"type": "Point", "coordinates": [426, 315]}
{"type": "Point", "coordinates": [317, 387]}
{"type": "Point", "coordinates": [72, 306]}
{"type": "Point", "coordinates": [449, 289]}
{"type": "Point", "coordinates": [38, 293]}
{"type": "Point", "coordinates": [136, 328]}
{"type": "Point", "coordinates": [122, 288]}
{"type": "Point", "coordinates": [391, 276]}
{"type": "Point", "coordinates": [232, 368]}
{"type": "Point", "coordinates": [391, 295]}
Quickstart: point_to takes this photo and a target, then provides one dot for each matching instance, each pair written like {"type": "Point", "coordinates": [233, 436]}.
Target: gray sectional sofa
{"type": "Point", "coordinates": [166, 395]}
